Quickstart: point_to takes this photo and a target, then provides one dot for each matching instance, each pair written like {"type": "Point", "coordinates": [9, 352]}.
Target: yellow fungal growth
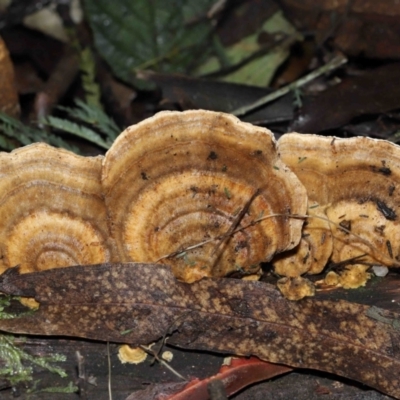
{"type": "Point", "coordinates": [332, 279]}
{"type": "Point", "coordinates": [354, 276]}
{"type": "Point", "coordinates": [296, 288]}
{"type": "Point", "coordinates": [29, 302]}
{"type": "Point", "coordinates": [167, 356]}
{"type": "Point", "coordinates": [131, 355]}
{"type": "Point", "coordinates": [353, 194]}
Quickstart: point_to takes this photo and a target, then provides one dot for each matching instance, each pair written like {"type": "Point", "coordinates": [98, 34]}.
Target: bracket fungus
{"type": "Point", "coordinates": [131, 355]}
{"type": "Point", "coordinates": [315, 247]}
{"type": "Point", "coordinates": [355, 183]}
{"type": "Point", "coordinates": [183, 178]}
{"type": "Point", "coordinates": [51, 209]}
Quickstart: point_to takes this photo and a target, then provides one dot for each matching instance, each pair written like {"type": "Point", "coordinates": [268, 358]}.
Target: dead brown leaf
{"type": "Point", "coordinates": [358, 27]}
{"type": "Point", "coordinates": [139, 303]}
{"type": "Point", "coordinates": [373, 92]}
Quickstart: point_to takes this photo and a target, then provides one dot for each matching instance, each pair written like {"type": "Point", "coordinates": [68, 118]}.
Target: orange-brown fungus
{"type": "Point", "coordinates": [207, 194]}
{"type": "Point", "coordinates": [356, 184]}
{"type": "Point", "coordinates": [179, 179]}
{"type": "Point", "coordinates": [296, 288]}
{"type": "Point", "coordinates": [314, 249]}
{"type": "Point", "coordinates": [51, 209]}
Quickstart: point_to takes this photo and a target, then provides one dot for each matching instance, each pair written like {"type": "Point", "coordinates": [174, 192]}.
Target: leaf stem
{"type": "Point", "coordinates": [331, 65]}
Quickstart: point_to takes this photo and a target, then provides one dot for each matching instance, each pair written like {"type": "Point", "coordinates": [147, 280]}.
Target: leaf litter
{"type": "Point", "coordinates": [104, 302]}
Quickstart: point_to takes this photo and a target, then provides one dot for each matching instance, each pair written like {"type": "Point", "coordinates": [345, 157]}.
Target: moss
{"type": "Point", "coordinates": [70, 388]}
{"type": "Point", "coordinates": [5, 302]}
{"type": "Point", "coordinates": [17, 364]}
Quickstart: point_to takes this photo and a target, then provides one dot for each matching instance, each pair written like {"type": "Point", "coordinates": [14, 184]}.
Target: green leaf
{"type": "Point", "coordinates": [93, 115]}
{"type": "Point", "coordinates": [88, 70]}
{"type": "Point", "coordinates": [6, 143]}
{"type": "Point", "coordinates": [14, 133]}
{"type": "Point", "coordinates": [21, 134]}
{"type": "Point", "coordinates": [163, 35]}
{"type": "Point", "coordinates": [76, 130]}
{"type": "Point", "coordinates": [260, 70]}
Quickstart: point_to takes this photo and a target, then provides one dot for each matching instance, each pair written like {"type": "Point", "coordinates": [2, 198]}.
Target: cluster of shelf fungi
{"type": "Point", "coordinates": [210, 196]}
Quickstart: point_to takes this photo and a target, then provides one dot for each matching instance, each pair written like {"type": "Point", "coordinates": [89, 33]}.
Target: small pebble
{"type": "Point", "coordinates": [380, 270]}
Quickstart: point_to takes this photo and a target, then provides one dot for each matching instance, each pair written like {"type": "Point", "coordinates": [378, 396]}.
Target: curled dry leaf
{"type": "Point", "coordinates": [51, 209]}
{"type": "Point", "coordinates": [179, 179]}
{"type": "Point", "coordinates": [136, 303]}
{"type": "Point", "coordinates": [355, 183]}
{"type": "Point", "coordinates": [241, 372]}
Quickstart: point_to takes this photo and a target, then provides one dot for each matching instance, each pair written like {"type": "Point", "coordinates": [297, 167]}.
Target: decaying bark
{"type": "Point", "coordinates": [139, 303]}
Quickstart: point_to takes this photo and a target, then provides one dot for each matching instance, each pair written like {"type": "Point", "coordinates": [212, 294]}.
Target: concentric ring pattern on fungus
{"type": "Point", "coordinates": [52, 210]}
{"type": "Point", "coordinates": [179, 179]}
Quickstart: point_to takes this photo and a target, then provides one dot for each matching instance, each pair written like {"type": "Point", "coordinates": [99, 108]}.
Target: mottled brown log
{"type": "Point", "coordinates": [139, 303]}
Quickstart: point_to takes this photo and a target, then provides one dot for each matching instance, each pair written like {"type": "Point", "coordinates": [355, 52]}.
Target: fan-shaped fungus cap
{"type": "Point", "coordinates": [357, 182]}
{"type": "Point", "coordinates": [351, 277]}
{"type": "Point", "coordinates": [315, 247]}
{"type": "Point", "coordinates": [296, 288]}
{"type": "Point", "coordinates": [51, 209]}
{"type": "Point", "coordinates": [131, 355]}
{"type": "Point", "coordinates": [179, 179]}
{"type": "Point", "coordinates": [167, 356]}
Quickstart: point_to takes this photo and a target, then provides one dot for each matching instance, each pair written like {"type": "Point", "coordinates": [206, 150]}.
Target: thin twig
{"type": "Point", "coordinates": [109, 372]}
{"type": "Point", "coordinates": [222, 238]}
{"type": "Point", "coordinates": [161, 361]}
{"type": "Point", "coordinates": [58, 83]}
{"type": "Point", "coordinates": [216, 8]}
{"type": "Point", "coordinates": [81, 375]}
{"type": "Point", "coordinates": [219, 237]}
{"type": "Point", "coordinates": [167, 332]}
{"type": "Point", "coordinates": [393, 261]}
{"type": "Point", "coordinates": [331, 65]}
{"type": "Point", "coordinates": [348, 261]}
{"type": "Point", "coordinates": [235, 222]}
{"type": "Point", "coordinates": [195, 246]}
{"type": "Point", "coordinates": [300, 216]}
